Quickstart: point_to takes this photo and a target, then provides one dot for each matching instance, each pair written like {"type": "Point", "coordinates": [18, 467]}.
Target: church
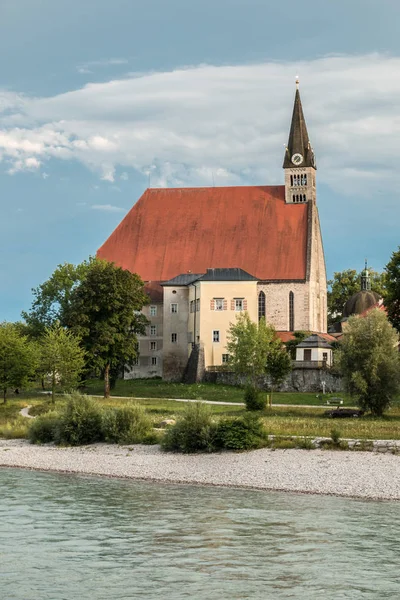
{"type": "Point", "coordinates": [208, 253]}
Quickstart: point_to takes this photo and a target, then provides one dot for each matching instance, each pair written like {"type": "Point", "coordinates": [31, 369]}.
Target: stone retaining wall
{"type": "Point", "coordinates": [299, 380]}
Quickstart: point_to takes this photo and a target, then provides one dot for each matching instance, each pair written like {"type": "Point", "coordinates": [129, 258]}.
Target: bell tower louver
{"type": "Point", "coordinates": [299, 162]}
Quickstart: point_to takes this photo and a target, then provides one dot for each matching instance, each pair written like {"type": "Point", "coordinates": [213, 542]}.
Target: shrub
{"type": "Point", "coordinates": [127, 425]}
{"type": "Point", "coordinates": [241, 433]}
{"type": "Point", "coordinates": [284, 443]}
{"type": "Point", "coordinates": [17, 428]}
{"type": "Point", "coordinates": [335, 436]}
{"type": "Point", "coordinates": [45, 429]}
{"type": "Point", "coordinates": [253, 399]}
{"type": "Point", "coordinates": [194, 432]}
{"type": "Point", "coordinates": [305, 443]}
{"type": "Point", "coordinates": [81, 421]}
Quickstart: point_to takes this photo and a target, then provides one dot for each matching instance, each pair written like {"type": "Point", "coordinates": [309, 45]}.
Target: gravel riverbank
{"type": "Point", "coordinates": [354, 474]}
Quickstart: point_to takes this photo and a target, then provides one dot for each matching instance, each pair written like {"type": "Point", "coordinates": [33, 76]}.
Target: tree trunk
{"type": "Point", "coordinates": [53, 388]}
{"type": "Point", "coordinates": [107, 381]}
{"type": "Point", "coordinates": [4, 395]}
{"type": "Point", "coordinates": [42, 382]}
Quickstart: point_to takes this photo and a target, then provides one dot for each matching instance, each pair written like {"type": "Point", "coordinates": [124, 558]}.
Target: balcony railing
{"type": "Point", "coordinates": [310, 364]}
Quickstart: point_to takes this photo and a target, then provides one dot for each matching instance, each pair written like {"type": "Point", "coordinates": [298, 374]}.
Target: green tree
{"type": "Point", "coordinates": [369, 361]}
{"type": "Point", "coordinates": [104, 311]}
{"type": "Point", "coordinates": [18, 358]}
{"type": "Point", "coordinates": [51, 298]}
{"type": "Point", "coordinates": [248, 347]}
{"type": "Point", "coordinates": [346, 283]}
{"type": "Point", "coordinates": [291, 345]}
{"type": "Point", "coordinates": [62, 359]}
{"type": "Point", "coordinates": [279, 364]}
{"type": "Point", "coordinates": [392, 300]}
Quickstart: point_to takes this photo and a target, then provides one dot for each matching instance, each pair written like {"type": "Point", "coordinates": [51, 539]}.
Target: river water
{"type": "Point", "coordinates": [65, 537]}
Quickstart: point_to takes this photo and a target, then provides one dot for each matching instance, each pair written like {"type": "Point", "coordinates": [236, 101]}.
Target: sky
{"type": "Point", "coordinates": [101, 98]}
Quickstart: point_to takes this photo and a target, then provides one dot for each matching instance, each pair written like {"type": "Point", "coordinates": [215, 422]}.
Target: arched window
{"type": "Point", "coordinates": [291, 180]}
{"type": "Point", "coordinates": [305, 179]}
{"type": "Point", "coordinates": [291, 311]}
{"type": "Point", "coordinates": [294, 198]}
{"type": "Point", "coordinates": [261, 305]}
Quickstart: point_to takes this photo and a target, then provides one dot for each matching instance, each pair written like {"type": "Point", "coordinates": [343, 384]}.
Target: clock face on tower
{"type": "Point", "coordinates": [297, 159]}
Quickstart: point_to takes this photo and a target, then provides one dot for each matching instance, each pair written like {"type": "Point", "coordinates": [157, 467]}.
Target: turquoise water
{"type": "Point", "coordinates": [68, 537]}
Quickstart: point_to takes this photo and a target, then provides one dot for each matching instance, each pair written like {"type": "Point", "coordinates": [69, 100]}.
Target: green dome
{"type": "Point", "coordinates": [360, 302]}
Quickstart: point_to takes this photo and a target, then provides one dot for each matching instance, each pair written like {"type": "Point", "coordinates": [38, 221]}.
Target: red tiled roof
{"type": "Point", "coordinates": [154, 291]}
{"type": "Point", "coordinates": [287, 336]}
{"type": "Point", "coordinates": [173, 231]}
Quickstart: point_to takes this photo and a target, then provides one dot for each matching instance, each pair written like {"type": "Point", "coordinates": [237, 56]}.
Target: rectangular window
{"type": "Point", "coordinates": [192, 306]}
{"type": "Point", "coordinates": [153, 345]}
{"type": "Point", "coordinates": [218, 304]}
{"type": "Point", "coordinates": [136, 361]}
{"type": "Point", "coordinates": [174, 338]}
{"type": "Point", "coordinates": [174, 308]}
{"type": "Point", "coordinates": [197, 304]}
{"type": "Point", "coordinates": [238, 304]}
{"type": "Point", "coordinates": [153, 330]}
{"type": "Point", "coordinates": [216, 335]}
{"type": "Point", "coordinates": [154, 361]}
{"type": "Point", "coordinates": [153, 311]}
{"type": "Point", "coordinates": [225, 358]}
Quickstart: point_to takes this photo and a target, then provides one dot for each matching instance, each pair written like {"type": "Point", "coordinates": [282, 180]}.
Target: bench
{"type": "Point", "coordinates": [335, 402]}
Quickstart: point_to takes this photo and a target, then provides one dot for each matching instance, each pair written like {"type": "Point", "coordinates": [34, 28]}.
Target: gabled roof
{"type": "Point", "coordinates": [184, 279]}
{"type": "Point", "coordinates": [154, 291]}
{"type": "Point", "coordinates": [170, 231]}
{"type": "Point", "coordinates": [227, 275]}
{"type": "Point", "coordinates": [299, 142]}
{"type": "Point", "coordinates": [211, 275]}
{"type": "Point", "coordinates": [314, 341]}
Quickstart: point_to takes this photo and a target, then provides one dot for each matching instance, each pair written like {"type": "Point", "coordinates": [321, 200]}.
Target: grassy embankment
{"type": "Point", "coordinates": [281, 421]}
{"type": "Point", "coordinates": [156, 388]}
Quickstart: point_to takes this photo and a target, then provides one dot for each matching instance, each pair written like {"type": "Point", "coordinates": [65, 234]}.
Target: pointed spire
{"type": "Point", "coordinates": [365, 279]}
{"type": "Point", "coordinates": [299, 143]}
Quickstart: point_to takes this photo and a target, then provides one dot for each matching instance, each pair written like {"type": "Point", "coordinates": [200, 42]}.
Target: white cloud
{"type": "Point", "coordinates": [107, 208]}
{"type": "Point", "coordinates": [227, 124]}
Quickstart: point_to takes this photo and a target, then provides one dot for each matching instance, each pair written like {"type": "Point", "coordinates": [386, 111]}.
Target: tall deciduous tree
{"type": "Point", "coordinates": [104, 311]}
{"type": "Point", "coordinates": [392, 300]}
{"type": "Point", "coordinates": [18, 358]}
{"type": "Point", "coordinates": [346, 283]}
{"type": "Point", "coordinates": [248, 347]}
{"type": "Point", "coordinates": [51, 298]}
{"type": "Point", "coordinates": [62, 359]}
{"type": "Point", "coordinates": [369, 361]}
{"type": "Point", "coordinates": [254, 350]}
{"type": "Point", "coordinates": [279, 364]}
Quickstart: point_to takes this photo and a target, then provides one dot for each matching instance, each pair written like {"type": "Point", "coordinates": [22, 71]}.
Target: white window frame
{"type": "Point", "coordinates": [218, 304]}
{"type": "Point", "coordinates": [153, 311]}
{"type": "Point", "coordinates": [174, 308]}
{"type": "Point", "coordinates": [239, 304]}
{"type": "Point", "coordinates": [153, 345]}
{"type": "Point", "coordinates": [153, 330]}
{"type": "Point", "coordinates": [174, 341]}
{"type": "Point", "coordinates": [216, 334]}
{"type": "Point", "coordinates": [154, 361]}
{"type": "Point", "coordinates": [225, 359]}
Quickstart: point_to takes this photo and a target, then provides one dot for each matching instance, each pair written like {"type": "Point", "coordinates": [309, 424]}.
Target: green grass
{"type": "Point", "coordinates": [156, 388]}
{"type": "Point", "coordinates": [282, 421]}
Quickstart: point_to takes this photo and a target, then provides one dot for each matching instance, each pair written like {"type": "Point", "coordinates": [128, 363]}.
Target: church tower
{"type": "Point", "coordinates": [299, 162]}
